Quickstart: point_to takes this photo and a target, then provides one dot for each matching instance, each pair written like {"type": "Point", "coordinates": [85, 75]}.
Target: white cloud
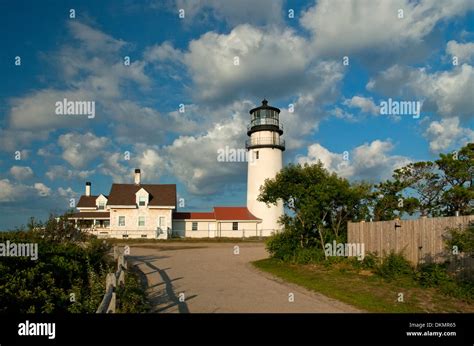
{"type": "Point", "coordinates": [21, 172]}
{"type": "Point", "coordinates": [463, 51]}
{"type": "Point", "coordinates": [163, 52]}
{"type": "Point", "coordinates": [193, 159]}
{"type": "Point", "coordinates": [272, 60]}
{"type": "Point", "coordinates": [446, 134]}
{"type": "Point", "coordinates": [42, 189]}
{"type": "Point", "coordinates": [114, 165]}
{"type": "Point", "coordinates": [78, 149]}
{"type": "Point", "coordinates": [69, 192]}
{"type": "Point", "coordinates": [366, 104]}
{"type": "Point", "coordinates": [16, 192]}
{"type": "Point", "coordinates": [56, 172]}
{"type": "Point", "coordinates": [8, 192]}
{"type": "Point", "coordinates": [343, 27]}
{"type": "Point", "coordinates": [370, 161]}
{"type": "Point", "coordinates": [449, 93]}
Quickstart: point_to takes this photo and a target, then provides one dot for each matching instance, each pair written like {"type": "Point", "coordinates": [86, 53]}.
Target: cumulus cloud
{"type": "Point", "coordinates": [369, 161]}
{"type": "Point", "coordinates": [463, 51]}
{"type": "Point", "coordinates": [21, 172]}
{"type": "Point", "coordinates": [446, 134]}
{"type": "Point", "coordinates": [78, 149]}
{"type": "Point", "coordinates": [56, 172]}
{"type": "Point", "coordinates": [90, 70]}
{"type": "Point", "coordinates": [17, 192]}
{"type": "Point", "coordinates": [193, 159]}
{"type": "Point", "coordinates": [343, 27]}
{"type": "Point", "coordinates": [42, 189]}
{"type": "Point", "coordinates": [365, 104]}
{"type": "Point", "coordinates": [276, 55]}
{"type": "Point", "coordinates": [439, 91]}
{"type": "Point", "coordinates": [68, 192]}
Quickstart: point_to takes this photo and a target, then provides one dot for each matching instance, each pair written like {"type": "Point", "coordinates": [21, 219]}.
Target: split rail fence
{"type": "Point", "coordinates": [109, 302]}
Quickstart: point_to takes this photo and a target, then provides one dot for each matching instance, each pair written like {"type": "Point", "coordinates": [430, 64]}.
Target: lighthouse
{"type": "Point", "coordinates": [265, 160]}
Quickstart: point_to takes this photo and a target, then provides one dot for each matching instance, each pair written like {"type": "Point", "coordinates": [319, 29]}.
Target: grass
{"type": "Point", "coordinates": [363, 289]}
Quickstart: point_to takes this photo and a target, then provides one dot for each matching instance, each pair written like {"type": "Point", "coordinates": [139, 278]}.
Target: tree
{"type": "Point", "coordinates": [458, 173]}
{"type": "Point", "coordinates": [389, 202]}
{"type": "Point", "coordinates": [424, 179]}
{"type": "Point", "coordinates": [321, 203]}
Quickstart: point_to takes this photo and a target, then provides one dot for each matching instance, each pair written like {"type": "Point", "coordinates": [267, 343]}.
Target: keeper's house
{"type": "Point", "coordinates": [150, 211]}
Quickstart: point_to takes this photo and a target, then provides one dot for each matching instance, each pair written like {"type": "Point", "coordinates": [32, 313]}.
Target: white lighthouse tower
{"type": "Point", "coordinates": [265, 153]}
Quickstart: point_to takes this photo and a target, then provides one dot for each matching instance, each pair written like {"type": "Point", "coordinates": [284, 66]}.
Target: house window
{"type": "Point", "coordinates": [143, 235]}
{"type": "Point", "coordinates": [142, 201]}
{"type": "Point", "coordinates": [235, 226]}
{"type": "Point", "coordinates": [141, 221]}
{"type": "Point", "coordinates": [194, 226]}
{"type": "Point", "coordinates": [101, 205]}
{"type": "Point", "coordinates": [124, 235]}
{"type": "Point", "coordinates": [121, 220]}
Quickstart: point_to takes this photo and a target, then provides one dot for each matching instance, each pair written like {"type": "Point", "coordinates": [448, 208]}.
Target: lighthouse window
{"type": "Point", "coordinates": [256, 155]}
{"type": "Point", "coordinates": [235, 226]}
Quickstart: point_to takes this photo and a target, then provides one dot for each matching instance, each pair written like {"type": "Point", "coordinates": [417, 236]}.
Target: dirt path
{"type": "Point", "coordinates": [212, 278]}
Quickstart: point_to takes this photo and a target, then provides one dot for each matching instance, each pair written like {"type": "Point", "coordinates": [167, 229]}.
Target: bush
{"type": "Point", "coordinates": [308, 255]}
{"type": "Point", "coordinates": [283, 245]}
{"type": "Point", "coordinates": [370, 261]}
{"type": "Point", "coordinates": [463, 239]}
{"type": "Point", "coordinates": [131, 296]}
{"type": "Point", "coordinates": [433, 274]}
{"type": "Point", "coordinates": [394, 265]}
{"type": "Point", "coordinates": [67, 264]}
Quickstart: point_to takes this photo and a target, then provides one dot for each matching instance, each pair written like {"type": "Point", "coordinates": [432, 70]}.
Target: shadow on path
{"type": "Point", "coordinates": [158, 298]}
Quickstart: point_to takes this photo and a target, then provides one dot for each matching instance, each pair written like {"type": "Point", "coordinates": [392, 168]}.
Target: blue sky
{"type": "Point", "coordinates": [190, 61]}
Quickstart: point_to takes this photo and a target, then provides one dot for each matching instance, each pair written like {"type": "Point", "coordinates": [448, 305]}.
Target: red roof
{"type": "Point", "coordinates": [194, 216]}
{"type": "Point", "coordinates": [219, 213]}
{"type": "Point", "coordinates": [233, 213]}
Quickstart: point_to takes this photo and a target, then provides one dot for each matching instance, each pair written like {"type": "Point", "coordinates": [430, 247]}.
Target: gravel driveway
{"type": "Point", "coordinates": [209, 277]}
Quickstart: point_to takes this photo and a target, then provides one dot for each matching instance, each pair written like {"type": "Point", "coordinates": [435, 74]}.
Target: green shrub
{"type": "Point", "coordinates": [67, 263]}
{"type": "Point", "coordinates": [308, 255]}
{"type": "Point", "coordinates": [131, 297]}
{"type": "Point", "coordinates": [283, 245]}
{"type": "Point", "coordinates": [394, 265]}
{"type": "Point", "coordinates": [459, 289]}
{"type": "Point", "coordinates": [462, 238]}
{"type": "Point", "coordinates": [370, 261]}
{"type": "Point", "coordinates": [432, 275]}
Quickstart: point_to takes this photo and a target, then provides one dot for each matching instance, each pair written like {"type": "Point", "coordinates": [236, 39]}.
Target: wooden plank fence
{"type": "Point", "coordinates": [108, 304]}
{"type": "Point", "coordinates": [421, 240]}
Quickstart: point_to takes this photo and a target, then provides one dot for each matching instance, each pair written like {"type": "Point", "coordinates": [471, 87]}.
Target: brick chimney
{"type": "Point", "coordinates": [137, 176]}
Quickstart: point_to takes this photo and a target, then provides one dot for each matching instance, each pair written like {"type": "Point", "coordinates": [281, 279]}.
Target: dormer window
{"type": "Point", "coordinates": [101, 205]}
{"type": "Point", "coordinates": [142, 201]}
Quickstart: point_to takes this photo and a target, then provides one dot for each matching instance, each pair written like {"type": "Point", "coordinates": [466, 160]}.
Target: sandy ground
{"type": "Point", "coordinates": [209, 277]}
